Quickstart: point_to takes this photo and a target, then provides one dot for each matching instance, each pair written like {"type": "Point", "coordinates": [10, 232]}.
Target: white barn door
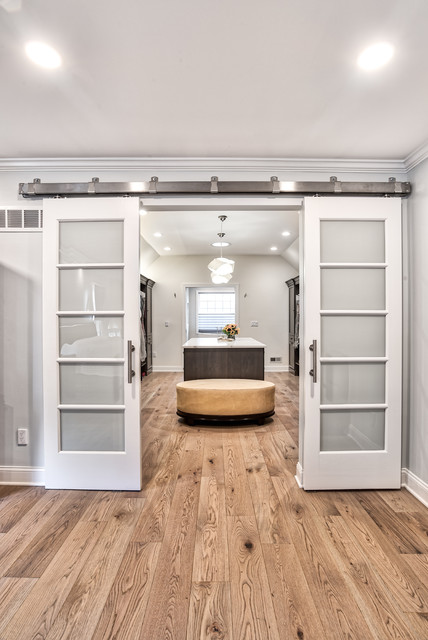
{"type": "Point", "coordinates": [91, 343]}
{"type": "Point", "coordinates": [352, 341]}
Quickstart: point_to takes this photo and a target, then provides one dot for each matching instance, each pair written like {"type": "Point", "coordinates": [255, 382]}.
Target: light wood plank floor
{"type": "Point", "coordinates": [220, 544]}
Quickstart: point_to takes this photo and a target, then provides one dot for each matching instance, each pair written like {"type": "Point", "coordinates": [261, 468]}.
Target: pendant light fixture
{"type": "Point", "coordinates": [221, 268]}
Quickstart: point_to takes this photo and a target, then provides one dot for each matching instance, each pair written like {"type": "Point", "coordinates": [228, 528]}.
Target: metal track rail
{"type": "Point", "coordinates": [334, 187]}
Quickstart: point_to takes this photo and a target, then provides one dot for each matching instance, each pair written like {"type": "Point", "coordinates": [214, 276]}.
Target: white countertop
{"type": "Point", "coordinates": [215, 343]}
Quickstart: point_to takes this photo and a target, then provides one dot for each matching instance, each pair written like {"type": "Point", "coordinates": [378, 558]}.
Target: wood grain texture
{"type": "Point", "coordinates": [38, 554]}
{"type": "Point", "coordinates": [380, 611]}
{"type": "Point", "coordinates": [84, 603]}
{"type": "Point", "coordinates": [13, 592]}
{"type": "Point", "coordinates": [295, 610]}
{"type": "Point", "coordinates": [220, 544]}
{"type": "Point", "coordinates": [42, 606]}
{"type": "Point", "coordinates": [166, 616]}
{"type": "Point", "coordinates": [329, 589]}
{"type": "Point", "coordinates": [123, 613]}
{"type": "Point", "coordinates": [26, 530]}
{"type": "Point", "coordinates": [210, 612]}
{"type": "Point", "coordinates": [211, 562]}
{"type": "Point", "coordinates": [253, 612]}
{"type": "Point", "coordinates": [404, 584]}
{"type": "Point", "coordinates": [238, 496]}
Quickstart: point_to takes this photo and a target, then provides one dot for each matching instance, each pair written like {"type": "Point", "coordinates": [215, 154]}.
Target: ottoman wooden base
{"type": "Point", "coordinates": [225, 399]}
{"type": "Point", "coordinates": [192, 418]}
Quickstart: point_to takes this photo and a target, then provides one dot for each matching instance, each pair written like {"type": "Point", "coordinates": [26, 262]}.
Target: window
{"type": "Point", "coordinates": [214, 309]}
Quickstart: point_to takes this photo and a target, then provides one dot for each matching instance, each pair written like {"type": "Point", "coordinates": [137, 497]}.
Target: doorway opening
{"type": "Point", "coordinates": [176, 234]}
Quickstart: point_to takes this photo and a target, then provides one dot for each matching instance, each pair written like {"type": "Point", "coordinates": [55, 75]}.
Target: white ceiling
{"type": "Point", "coordinates": [233, 78]}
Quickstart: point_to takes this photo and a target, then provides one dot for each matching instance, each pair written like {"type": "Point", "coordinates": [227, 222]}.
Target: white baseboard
{"type": "Point", "coordinates": [299, 475]}
{"type": "Point", "coordinates": [172, 368]}
{"type": "Point", "coordinates": [34, 476]}
{"type": "Point", "coordinates": [415, 485]}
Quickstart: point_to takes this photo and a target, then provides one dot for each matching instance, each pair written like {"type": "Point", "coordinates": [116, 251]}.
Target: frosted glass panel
{"type": "Point", "coordinates": [353, 289]}
{"type": "Point", "coordinates": [92, 431]}
{"type": "Point", "coordinates": [90, 241]}
{"type": "Point", "coordinates": [91, 289]}
{"type": "Point", "coordinates": [347, 336]}
{"type": "Point", "coordinates": [352, 241]}
{"type": "Point", "coordinates": [91, 383]}
{"type": "Point", "coordinates": [352, 383]}
{"type": "Point", "coordinates": [352, 430]}
{"type": "Point", "coordinates": [94, 337]}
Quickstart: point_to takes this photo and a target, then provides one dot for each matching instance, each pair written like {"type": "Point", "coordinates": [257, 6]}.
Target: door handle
{"type": "Point", "coordinates": [313, 372]}
{"type": "Point", "coordinates": [131, 372]}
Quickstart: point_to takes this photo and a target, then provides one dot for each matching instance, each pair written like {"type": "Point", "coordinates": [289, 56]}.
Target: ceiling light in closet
{"type": "Point", "coordinates": [220, 244]}
{"type": "Point", "coordinates": [286, 233]}
{"type": "Point", "coordinates": [274, 248]}
{"type": "Point", "coordinates": [42, 54]}
{"type": "Point", "coordinates": [167, 248]}
{"type": "Point", "coordinates": [375, 56]}
{"type": "Point", "coordinates": [157, 235]}
{"type": "Point", "coordinates": [221, 268]}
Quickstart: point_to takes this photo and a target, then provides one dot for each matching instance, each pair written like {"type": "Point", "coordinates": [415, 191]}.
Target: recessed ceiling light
{"type": "Point", "coordinates": [285, 233]}
{"type": "Point", "coordinates": [157, 235]}
{"type": "Point", "coordinates": [220, 244]}
{"type": "Point", "coordinates": [43, 55]}
{"type": "Point", "coordinates": [375, 56]}
{"type": "Point", "coordinates": [143, 212]}
{"type": "Point", "coordinates": [274, 248]}
{"type": "Point", "coordinates": [167, 248]}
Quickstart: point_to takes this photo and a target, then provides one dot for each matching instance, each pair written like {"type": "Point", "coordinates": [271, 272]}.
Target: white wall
{"type": "Point", "coordinates": [417, 437]}
{"type": "Point", "coordinates": [263, 296]}
{"type": "Point", "coordinates": [21, 348]}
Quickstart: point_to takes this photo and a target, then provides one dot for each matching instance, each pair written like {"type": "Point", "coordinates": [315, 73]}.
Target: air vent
{"type": "Point", "coordinates": [17, 219]}
{"type": "Point", "coordinates": [31, 218]}
{"type": "Point", "coordinates": [14, 219]}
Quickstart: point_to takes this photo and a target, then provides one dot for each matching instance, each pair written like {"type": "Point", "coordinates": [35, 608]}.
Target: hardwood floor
{"type": "Point", "coordinates": [220, 544]}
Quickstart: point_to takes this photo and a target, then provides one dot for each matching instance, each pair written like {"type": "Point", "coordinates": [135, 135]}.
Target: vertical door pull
{"type": "Point", "coordinates": [131, 372]}
{"type": "Point", "coordinates": [313, 371]}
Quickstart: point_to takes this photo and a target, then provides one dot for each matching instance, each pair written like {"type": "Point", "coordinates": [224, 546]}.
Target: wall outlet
{"type": "Point", "coordinates": [22, 437]}
{"type": "Point", "coordinates": [254, 323]}
{"type": "Point", "coordinates": [154, 354]}
{"type": "Point", "coordinates": [276, 359]}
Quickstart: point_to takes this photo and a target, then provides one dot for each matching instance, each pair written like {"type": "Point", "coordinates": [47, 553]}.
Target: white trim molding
{"type": "Point", "coordinates": [416, 157]}
{"type": "Point", "coordinates": [414, 485]}
{"type": "Point", "coordinates": [272, 166]}
{"type": "Point", "coordinates": [33, 476]}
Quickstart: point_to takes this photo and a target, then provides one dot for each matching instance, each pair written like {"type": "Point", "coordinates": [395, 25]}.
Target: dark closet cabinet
{"type": "Point", "coordinates": [146, 355]}
{"type": "Point", "coordinates": [293, 324]}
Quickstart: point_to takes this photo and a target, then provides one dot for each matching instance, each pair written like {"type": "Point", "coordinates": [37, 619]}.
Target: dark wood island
{"type": "Point", "coordinates": [214, 358]}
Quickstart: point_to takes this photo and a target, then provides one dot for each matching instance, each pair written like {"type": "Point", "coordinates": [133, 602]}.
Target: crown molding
{"type": "Point", "coordinates": [416, 157]}
{"type": "Point", "coordinates": [272, 166]}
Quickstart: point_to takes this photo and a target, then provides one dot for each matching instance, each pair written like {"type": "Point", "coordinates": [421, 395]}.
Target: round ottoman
{"type": "Point", "coordinates": [225, 399]}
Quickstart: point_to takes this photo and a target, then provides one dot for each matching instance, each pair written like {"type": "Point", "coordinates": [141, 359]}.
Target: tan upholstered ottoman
{"type": "Point", "coordinates": [225, 399]}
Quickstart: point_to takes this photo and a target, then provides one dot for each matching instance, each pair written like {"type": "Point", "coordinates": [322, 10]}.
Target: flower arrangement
{"type": "Point", "coordinates": [231, 330]}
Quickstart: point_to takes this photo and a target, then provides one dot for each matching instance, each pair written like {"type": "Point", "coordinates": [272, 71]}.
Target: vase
{"type": "Point", "coordinates": [230, 338]}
